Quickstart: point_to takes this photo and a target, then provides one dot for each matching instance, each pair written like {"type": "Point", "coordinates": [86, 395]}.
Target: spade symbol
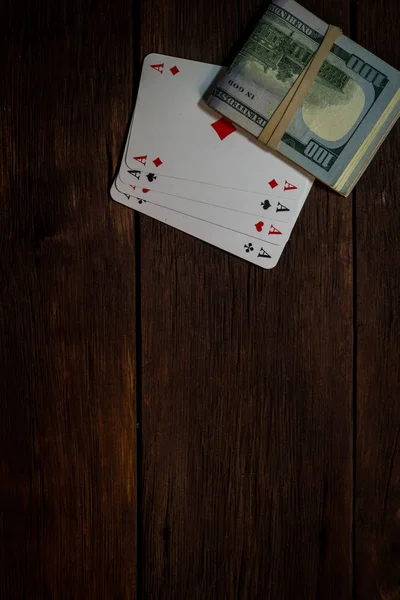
{"type": "Point", "coordinates": [266, 204]}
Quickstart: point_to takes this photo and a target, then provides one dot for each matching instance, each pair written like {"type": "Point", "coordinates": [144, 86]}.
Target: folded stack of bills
{"type": "Point", "coordinates": [348, 109]}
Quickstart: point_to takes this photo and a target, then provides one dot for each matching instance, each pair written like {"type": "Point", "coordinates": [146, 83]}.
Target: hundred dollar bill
{"type": "Point", "coordinates": [347, 113]}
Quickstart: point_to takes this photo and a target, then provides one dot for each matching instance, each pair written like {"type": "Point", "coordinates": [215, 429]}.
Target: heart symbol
{"type": "Point", "coordinates": [259, 225]}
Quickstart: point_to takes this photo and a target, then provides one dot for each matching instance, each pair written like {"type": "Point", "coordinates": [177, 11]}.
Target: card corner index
{"type": "Point", "coordinates": [152, 58]}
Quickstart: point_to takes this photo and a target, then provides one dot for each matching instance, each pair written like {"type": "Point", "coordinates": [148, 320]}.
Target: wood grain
{"type": "Point", "coordinates": [377, 499]}
{"type": "Point", "coordinates": [67, 310]}
{"type": "Point", "coordinates": [247, 384]}
{"type": "Point", "coordinates": [252, 483]}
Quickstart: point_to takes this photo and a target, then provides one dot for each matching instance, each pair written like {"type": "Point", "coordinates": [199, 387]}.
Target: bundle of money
{"type": "Point", "coordinates": [347, 112]}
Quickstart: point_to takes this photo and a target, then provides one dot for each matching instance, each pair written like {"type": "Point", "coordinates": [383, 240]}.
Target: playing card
{"type": "Point", "coordinates": [247, 247]}
{"type": "Point", "coordinates": [267, 230]}
{"type": "Point", "coordinates": [142, 183]}
{"type": "Point", "coordinates": [173, 134]}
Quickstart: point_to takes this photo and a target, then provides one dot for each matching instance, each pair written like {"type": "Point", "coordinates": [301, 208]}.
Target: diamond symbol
{"type": "Point", "coordinates": [174, 70]}
{"type": "Point", "coordinates": [223, 128]}
{"type": "Point", "coordinates": [158, 162]}
{"type": "Point", "coordinates": [273, 183]}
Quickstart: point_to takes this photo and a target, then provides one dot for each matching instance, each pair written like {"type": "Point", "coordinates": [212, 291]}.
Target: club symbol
{"type": "Point", "coordinates": [151, 177]}
{"type": "Point", "coordinates": [266, 204]}
{"type": "Point", "coordinates": [140, 200]}
{"type": "Point", "coordinates": [249, 247]}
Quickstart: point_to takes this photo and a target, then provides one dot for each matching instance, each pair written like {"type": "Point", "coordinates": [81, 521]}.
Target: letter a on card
{"type": "Point", "coordinates": [274, 231]}
{"type": "Point", "coordinates": [289, 186]}
{"type": "Point", "coordinates": [281, 208]}
{"type": "Point", "coordinates": [159, 68]}
{"type": "Point", "coordinates": [141, 159]}
{"type": "Point", "coordinates": [263, 254]}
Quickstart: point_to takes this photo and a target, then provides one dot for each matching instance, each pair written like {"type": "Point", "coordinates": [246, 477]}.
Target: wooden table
{"type": "Point", "coordinates": [176, 423]}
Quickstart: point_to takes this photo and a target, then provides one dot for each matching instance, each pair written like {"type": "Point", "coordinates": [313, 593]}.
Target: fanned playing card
{"type": "Point", "coordinates": [264, 228]}
{"type": "Point", "coordinates": [173, 133]}
{"type": "Point", "coordinates": [250, 248]}
{"type": "Point", "coordinates": [194, 171]}
{"type": "Point", "coordinates": [267, 207]}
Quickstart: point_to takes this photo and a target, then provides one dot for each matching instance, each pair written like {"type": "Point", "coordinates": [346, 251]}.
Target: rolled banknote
{"type": "Point", "coordinates": [347, 112]}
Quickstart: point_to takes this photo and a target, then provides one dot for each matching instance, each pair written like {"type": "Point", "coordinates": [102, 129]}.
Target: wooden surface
{"type": "Point", "coordinates": [67, 312]}
{"type": "Point", "coordinates": [377, 329]}
{"type": "Point", "coordinates": [175, 423]}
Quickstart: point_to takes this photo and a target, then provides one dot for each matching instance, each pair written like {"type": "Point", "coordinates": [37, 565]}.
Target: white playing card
{"type": "Point", "coordinates": [173, 135]}
{"type": "Point", "coordinates": [267, 230]}
{"type": "Point", "coordinates": [280, 209]}
{"type": "Point", "coordinates": [247, 247]}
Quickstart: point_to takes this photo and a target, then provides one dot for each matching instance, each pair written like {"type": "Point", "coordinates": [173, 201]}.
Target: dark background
{"type": "Point", "coordinates": [174, 422]}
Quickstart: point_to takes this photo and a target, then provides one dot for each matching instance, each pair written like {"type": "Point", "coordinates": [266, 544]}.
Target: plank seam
{"type": "Point", "coordinates": [136, 62]}
{"type": "Point", "coordinates": [353, 34]}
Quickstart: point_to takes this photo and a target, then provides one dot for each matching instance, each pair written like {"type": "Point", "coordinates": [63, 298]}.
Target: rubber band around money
{"type": "Point", "coordinates": [272, 133]}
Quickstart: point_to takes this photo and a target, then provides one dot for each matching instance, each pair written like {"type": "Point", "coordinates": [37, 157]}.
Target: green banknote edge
{"type": "Point", "coordinates": [372, 150]}
{"type": "Point", "coordinates": [357, 161]}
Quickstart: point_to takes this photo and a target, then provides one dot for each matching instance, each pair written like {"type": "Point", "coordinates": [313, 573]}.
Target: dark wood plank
{"type": "Point", "coordinates": [247, 384]}
{"type": "Point", "coordinates": [378, 333]}
{"type": "Point", "coordinates": [67, 310]}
